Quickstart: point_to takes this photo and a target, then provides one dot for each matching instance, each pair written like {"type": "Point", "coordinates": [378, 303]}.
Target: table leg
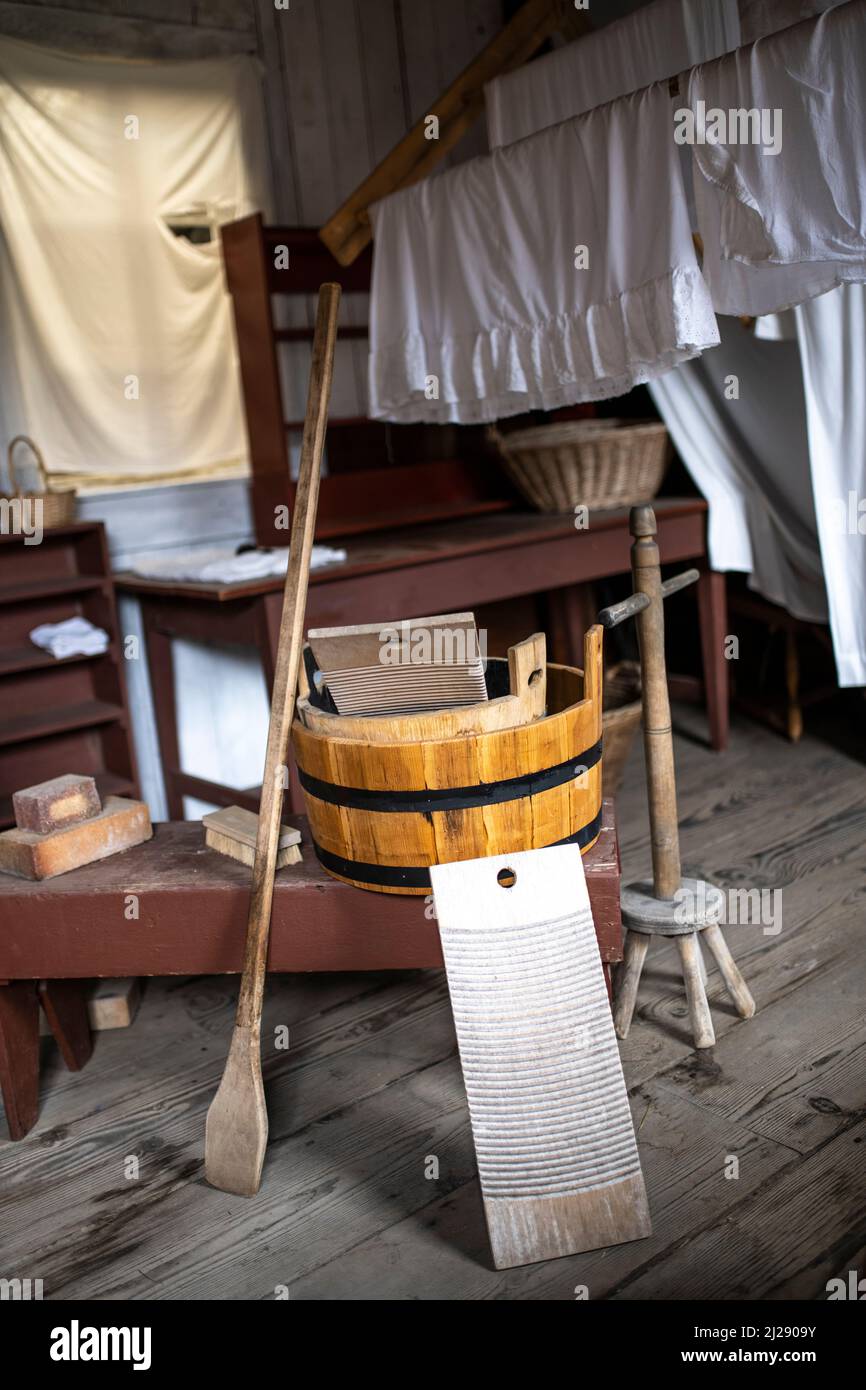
{"type": "Point", "coordinates": [65, 1005]}
{"type": "Point", "coordinates": [713, 615]}
{"type": "Point", "coordinates": [160, 664]}
{"type": "Point", "coordinates": [19, 1055]}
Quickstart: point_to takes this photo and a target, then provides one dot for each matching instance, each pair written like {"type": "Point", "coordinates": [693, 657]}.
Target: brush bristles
{"type": "Point", "coordinates": [246, 854]}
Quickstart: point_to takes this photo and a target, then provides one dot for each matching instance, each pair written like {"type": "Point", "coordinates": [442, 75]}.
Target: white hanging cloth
{"type": "Point", "coordinates": [751, 463]}
{"type": "Point", "coordinates": [117, 351]}
{"type": "Point", "coordinates": [529, 279]}
{"type": "Point", "coordinates": [655, 42]}
{"type": "Point", "coordinates": [780, 165]}
{"type": "Point", "coordinates": [831, 332]}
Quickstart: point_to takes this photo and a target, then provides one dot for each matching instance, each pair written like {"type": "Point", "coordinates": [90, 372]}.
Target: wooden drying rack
{"type": "Point", "coordinates": [348, 232]}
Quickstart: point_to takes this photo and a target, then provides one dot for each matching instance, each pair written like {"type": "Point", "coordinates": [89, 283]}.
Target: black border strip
{"type": "Point", "coordinates": [395, 876]}
{"type": "Point", "coordinates": [451, 798]}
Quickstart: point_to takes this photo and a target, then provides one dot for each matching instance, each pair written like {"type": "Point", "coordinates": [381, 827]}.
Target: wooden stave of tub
{"type": "Point", "coordinates": [391, 840]}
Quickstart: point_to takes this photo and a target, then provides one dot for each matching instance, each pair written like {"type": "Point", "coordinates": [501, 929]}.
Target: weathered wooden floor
{"type": "Point", "coordinates": [371, 1087]}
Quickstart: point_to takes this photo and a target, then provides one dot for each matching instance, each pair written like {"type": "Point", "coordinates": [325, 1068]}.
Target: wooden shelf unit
{"type": "Point", "coordinates": [70, 715]}
{"type": "Point", "coordinates": [380, 475]}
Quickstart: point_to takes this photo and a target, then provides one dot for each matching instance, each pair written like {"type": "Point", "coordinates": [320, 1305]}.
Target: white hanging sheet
{"type": "Point", "coordinates": [831, 332]}
{"type": "Point", "coordinates": [118, 349]}
{"type": "Point", "coordinates": [656, 42]}
{"type": "Point", "coordinates": [749, 457]}
{"type": "Point", "coordinates": [780, 227]}
{"type": "Point", "coordinates": [478, 308]}
{"type": "Point", "coordinates": [751, 462]}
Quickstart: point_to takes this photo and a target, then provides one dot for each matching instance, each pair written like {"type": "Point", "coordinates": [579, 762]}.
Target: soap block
{"type": "Point", "coordinates": [52, 805]}
{"type": "Point", "coordinates": [118, 826]}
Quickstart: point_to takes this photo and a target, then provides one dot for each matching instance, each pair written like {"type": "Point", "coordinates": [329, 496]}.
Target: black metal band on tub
{"type": "Point", "coordinates": [451, 798]}
{"type": "Point", "coordinates": [396, 876]}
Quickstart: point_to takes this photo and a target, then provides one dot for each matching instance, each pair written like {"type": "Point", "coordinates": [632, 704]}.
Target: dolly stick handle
{"type": "Point", "coordinates": [288, 657]}
{"type": "Point", "coordinates": [658, 738]}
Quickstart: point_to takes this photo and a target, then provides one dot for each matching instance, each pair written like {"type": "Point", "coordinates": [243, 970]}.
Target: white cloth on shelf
{"type": "Point", "coordinates": [72, 637]}
{"type": "Point", "coordinates": [478, 309]}
{"type": "Point", "coordinates": [217, 565]}
{"type": "Point", "coordinates": [779, 229]}
{"type": "Point", "coordinates": [656, 42]}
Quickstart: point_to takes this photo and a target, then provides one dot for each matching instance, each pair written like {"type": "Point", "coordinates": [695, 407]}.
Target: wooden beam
{"type": "Point", "coordinates": [348, 231]}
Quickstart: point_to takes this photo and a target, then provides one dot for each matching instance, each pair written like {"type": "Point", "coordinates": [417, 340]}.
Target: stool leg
{"type": "Point", "coordinates": [628, 979]}
{"type": "Point", "coordinates": [699, 1009]}
{"type": "Point", "coordinates": [702, 964]}
{"type": "Point", "coordinates": [730, 972]}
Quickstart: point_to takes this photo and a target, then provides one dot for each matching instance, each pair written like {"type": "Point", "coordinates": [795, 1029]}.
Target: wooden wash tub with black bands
{"type": "Point", "coordinates": [381, 813]}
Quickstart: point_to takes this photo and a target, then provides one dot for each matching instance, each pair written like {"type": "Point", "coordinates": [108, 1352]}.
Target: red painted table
{"type": "Point", "coordinates": [192, 912]}
{"type": "Point", "coordinates": [442, 568]}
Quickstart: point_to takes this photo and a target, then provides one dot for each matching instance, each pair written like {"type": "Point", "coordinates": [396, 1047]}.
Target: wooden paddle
{"type": "Point", "coordinates": [237, 1122]}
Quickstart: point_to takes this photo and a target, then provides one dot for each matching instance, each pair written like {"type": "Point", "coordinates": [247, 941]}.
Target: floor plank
{"type": "Point", "coordinates": [369, 1094]}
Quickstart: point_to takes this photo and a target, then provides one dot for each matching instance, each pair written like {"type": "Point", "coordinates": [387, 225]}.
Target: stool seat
{"type": "Point", "coordinates": [696, 904]}
{"type": "Point", "coordinates": [690, 915]}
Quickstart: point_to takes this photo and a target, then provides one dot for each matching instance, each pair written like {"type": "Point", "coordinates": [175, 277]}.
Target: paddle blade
{"type": "Point", "coordinates": [236, 1135]}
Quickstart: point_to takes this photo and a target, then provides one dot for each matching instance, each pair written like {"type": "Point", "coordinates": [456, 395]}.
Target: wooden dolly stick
{"type": "Point", "coordinates": [237, 1123]}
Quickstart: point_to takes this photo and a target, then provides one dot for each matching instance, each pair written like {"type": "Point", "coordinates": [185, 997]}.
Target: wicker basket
{"type": "Point", "coordinates": [594, 463]}
{"type": "Point", "coordinates": [620, 720]}
{"type": "Point", "coordinates": [58, 504]}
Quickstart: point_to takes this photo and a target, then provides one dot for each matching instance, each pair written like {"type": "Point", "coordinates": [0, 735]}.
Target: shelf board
{"type": "Point", "coordinates": [17, 660]}
{"type": "Point", "coordinates": [109, 784]}
{"type": "Point", "coordinates": [41, 723]}
{"type": "Point", "coordinates": [56, 586]}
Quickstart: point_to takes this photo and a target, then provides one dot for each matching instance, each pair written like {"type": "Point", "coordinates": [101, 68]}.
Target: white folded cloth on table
{"type": "Point", "coordinates": [72, 637]}
{"type": "Point", "coordinates": [780, 228]}
{"type": "Point", "coordinates": [482, 304]}
{"type": "Point", "coordinates": [655, 42]}
{"type": "Point", "coordinates": [217, 565]}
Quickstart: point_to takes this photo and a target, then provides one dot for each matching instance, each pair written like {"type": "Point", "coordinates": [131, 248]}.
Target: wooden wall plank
{"type": "Point", "coordinates": [284, 170]}
{"type": "Point", "coordinates": [421, 57]}
{"type": "Point", "coordinates": [348, 134]}
{"type": "Point", "coordinates": [223, 14]}
{"type": "Point", "coordinates": [180, 11]}
{"type": "Point", "coordinates": [119, 35]}
{"type": "Point", "coordinates": [379, 53]}
{"type": "Point", "coordinates": [463, 29]}
{"type": "Point", "coordinates": [300, 35]}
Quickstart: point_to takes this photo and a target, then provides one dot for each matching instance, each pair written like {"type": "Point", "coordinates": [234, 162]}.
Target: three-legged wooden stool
{"type": "Point", "coordinates": [671, 905]}
{"type": "Point", "coordinates": [689, 917]}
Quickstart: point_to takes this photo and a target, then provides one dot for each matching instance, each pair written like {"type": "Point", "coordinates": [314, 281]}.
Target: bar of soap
{"type": "Point", "coordinates": [51, 805]}
{"type": "Point", "coordinates": [119, 825]}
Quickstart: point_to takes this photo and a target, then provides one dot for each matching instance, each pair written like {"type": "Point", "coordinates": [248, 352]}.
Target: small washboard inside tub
{"type": "Point", "coordinates": [413, 664]}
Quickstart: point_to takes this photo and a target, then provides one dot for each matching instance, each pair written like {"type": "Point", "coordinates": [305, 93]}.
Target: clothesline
{"type": "Point", "coordinates": [506, 125]}
{"type": "Point", "coordinates": [478, 309]}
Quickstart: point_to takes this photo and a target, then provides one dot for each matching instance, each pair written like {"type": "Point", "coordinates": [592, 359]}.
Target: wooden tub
{"type": "Point", "coordinates": [380, 814]}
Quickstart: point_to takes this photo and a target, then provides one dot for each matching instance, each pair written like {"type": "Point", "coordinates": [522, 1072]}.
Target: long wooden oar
{"type": "Point", "coordinates": [237, 1122]}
